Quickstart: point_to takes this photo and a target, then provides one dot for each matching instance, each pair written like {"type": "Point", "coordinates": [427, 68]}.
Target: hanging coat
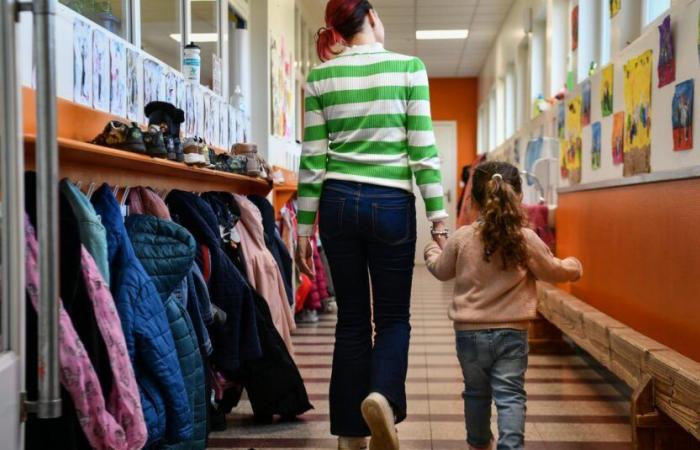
{"type": "Point", "coordinates": [235, 338]}
{"type": "Point", "coordinates": [147, 331]}
{"type": "Point", "coordinates": [118, 423]}
{"type": "Point", "coordinates": [167, 251]}
{"type": "Point", "coordinates": [263, 273]}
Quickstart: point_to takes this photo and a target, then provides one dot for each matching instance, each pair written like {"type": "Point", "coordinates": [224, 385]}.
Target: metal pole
{"type": "Point", "coordinates": [49, 402]}
{"type": "Point", "coordinates": [12, 187]}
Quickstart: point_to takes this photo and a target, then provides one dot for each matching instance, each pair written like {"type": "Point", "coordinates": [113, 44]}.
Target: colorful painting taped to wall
{"type": "Point", "coordinates": [574, 29]}
{"type": "Point", "coordinates": [82, 63]}
{"type": "Point", "coordinates": [561, 120]}
{"type": "Point", "coordinates": [133, 89]}
{"type": "Point", "coordinates": [615, 6]}
{"type": "Point", "coordinates": [574, 142]}
{"type": "Point", "coordinates": [100, 71]}
{"type": "Point", "coordinates": [117, 77]}
{"type": "Point", "coordinates": [596, 147]}
{"type": "Point", "coordinates": [586, 105]}
{"type": "Point", "coordinates": [563, 145]}
{"type": "Point", "coordinates": [607, 85]}
{"type": "Point", "coordinates": [618, 138]}
{"type": "Point", "coordinates": [667, 58]}
{"type": "Point", "coordinates": [637, 73]}
{"type": "Point", "coordinates": [682, 115]}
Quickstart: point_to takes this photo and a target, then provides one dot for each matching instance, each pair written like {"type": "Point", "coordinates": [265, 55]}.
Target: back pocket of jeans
{"type": "Point", "coordinates": [330, 217]}
{"type": "Point", "coordinates": [391, 224]}
{"type": "Point", "coordinates": [513, 344]}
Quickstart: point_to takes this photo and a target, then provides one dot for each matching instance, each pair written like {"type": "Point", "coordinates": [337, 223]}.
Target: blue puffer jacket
{"type": "Point", "coordinates": [167, 252]}
{"type": "Point", "coordinates": [147, 331]}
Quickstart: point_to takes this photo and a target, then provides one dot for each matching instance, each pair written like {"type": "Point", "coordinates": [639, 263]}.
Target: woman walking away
{"type": "Point", "coordinates": [495, 263]}
{"type": "Point", "coordinates": [368, 132]}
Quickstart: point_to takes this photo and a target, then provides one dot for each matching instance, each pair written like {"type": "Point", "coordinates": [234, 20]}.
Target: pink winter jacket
{"type": "Point", "coordinates": [117, 424]}
{"type": "Point", "coordinates": [263, 273]}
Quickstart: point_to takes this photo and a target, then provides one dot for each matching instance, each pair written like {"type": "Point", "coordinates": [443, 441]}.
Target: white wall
{"type": "Point", "coordinates": [685, 28]}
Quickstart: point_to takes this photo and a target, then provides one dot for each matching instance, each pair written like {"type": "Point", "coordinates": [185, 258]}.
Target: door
{"type": "Point", "coordinates": [446, 140]}
{"type": "Point", "coordinates": [11, 238]}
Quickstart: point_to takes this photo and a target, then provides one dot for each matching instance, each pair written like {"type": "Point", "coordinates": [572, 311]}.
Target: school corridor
{"type": "Point", "coordinates": [572, 405]}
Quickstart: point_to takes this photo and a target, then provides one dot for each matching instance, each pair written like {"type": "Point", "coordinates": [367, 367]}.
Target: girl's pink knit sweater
{"type": "Point", "coordinates": [485, 295]}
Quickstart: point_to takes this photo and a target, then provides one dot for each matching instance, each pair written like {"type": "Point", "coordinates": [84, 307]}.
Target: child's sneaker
{"type": "Point", "coordinates": [192, 156]}
{"type": "Point", "coordinates": [155, 145]}
{"type": "Point", "coordinates": [307, 316]}
{"type": "Point", "coordinates": [379, 417]}
{"type": "Point", "coordinates": [253, 167]}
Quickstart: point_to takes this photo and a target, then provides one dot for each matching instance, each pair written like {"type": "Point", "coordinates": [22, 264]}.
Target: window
{"type": "Point", "coordinates": [161, 31]}
{"type": "Point", "coordinates": [537, 62]}
{"type": "Point", "coordinates": [500, 112]}
{"type": "Point", "coordinates": [492, 121]}
{"type": "Point", "coordinates": [653, 9]}
{"type": "Point", "coordinates": [481, 131]}
{"type": "Point", "coordinates": [557, 44]}
{"type": "Point", "coordinates": [110, 14]}
{"type": "Point", "coordinates": [510, 101]}
{"type": "Point", "coordinates": [604, 34]}
{"type": "Point", "coordinates": [205, 33]}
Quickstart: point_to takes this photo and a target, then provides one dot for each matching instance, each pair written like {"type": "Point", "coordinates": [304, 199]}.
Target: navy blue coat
{"type": "Point", "coordinates": [235, 340]}
{"type": "Point", "coordinates": [167, 251]}
{"type": "Point", "coordinates": [147, 331]}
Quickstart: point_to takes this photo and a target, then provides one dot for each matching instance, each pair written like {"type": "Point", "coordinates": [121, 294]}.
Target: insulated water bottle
{"type": "Point", "coordinates": [192, 62]}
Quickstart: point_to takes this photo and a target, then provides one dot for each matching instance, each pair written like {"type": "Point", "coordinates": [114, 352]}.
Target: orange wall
{"type": "Point", "coordinates": [640, 248]}
{"type": "Point", "coordinates": [456, 99]}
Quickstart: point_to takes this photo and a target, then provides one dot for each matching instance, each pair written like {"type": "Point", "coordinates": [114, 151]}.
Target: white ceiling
{"type": "Point", "coordinates": [445, 58]}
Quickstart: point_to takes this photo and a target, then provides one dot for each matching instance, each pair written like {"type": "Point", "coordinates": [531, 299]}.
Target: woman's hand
{"type": "Point", "coordinates": [440, 240]}
{"type": "Point", "coordinates": [305, 256]}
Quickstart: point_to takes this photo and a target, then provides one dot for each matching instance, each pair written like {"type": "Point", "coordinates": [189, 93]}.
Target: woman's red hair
{"type": "Point", "coordinates": [344, 19]}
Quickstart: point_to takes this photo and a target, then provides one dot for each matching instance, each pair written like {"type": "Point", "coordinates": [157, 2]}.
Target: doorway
{"type": "Point", "coordinates": [446, 141]}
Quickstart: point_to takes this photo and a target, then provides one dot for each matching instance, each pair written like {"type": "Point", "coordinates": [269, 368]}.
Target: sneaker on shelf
{"type": "Point", "coordinates": [206, 153]}
{"type": "Point", "coordinates": [307, 316]}
{"type": "Point", "coordinates": [155, 145]}
{"type": "Point", "coordinates": [121, 136]}
{"type": "Point", "coordinates": [250, 151]}
{"type": "Point", "coordinates": [191, 150]}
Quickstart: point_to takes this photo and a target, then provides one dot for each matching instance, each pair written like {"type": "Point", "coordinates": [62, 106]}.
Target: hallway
{"type": "Point", "coordinates": [570, 405]}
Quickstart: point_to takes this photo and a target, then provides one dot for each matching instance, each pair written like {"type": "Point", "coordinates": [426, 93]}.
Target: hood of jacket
{"type": "Point", "coordinates": [145, 201]}
{"type": "Point", "coordinates": [196, 215]}
{"type": "Point", "coordinates": [166, 250]}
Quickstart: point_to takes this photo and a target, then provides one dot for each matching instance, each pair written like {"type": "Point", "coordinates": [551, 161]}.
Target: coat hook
{"type": "Point", "coordinates": [125, 196]}
{"type": "Point", "coordinates": [91, 190]}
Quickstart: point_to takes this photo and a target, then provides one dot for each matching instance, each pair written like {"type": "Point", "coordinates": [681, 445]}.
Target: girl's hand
{"type": "Point", "coordinates": [440, 240]}
{"type": "Point", "coordinates": [305, 256]}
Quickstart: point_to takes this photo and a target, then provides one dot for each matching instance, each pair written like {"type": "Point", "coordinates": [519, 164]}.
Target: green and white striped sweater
{"type": "Point", "coordinates": [367, 120]}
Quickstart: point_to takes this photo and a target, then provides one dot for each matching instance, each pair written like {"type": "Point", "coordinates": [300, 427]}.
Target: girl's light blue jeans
{"type": "Point", "coordinates": [494, 363]}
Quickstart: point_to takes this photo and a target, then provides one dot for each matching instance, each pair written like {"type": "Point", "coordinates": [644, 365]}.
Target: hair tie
{"type": "Point", "coordinates": [497, 176]}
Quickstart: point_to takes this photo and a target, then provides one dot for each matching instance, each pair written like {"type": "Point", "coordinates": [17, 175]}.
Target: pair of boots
{"type": "Point", "coordinates": [379, 417]}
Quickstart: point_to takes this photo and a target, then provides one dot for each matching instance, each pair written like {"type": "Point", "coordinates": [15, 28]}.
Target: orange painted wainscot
{"type": "Point", "coordinates": [640, 248]}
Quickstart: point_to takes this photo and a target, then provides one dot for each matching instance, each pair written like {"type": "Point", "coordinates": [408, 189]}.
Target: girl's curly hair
{"type": "Point", "coordinates": [496, 191]}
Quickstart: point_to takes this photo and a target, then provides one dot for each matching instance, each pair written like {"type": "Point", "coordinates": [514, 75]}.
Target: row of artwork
{"type": "Point", "coordinates": [106, 77]}
{"type": "Point", "coordinates": [631, 132]}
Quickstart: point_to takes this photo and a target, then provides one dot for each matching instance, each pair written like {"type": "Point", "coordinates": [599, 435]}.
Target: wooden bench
{"type": "Point", "coordinates": [665, 405]}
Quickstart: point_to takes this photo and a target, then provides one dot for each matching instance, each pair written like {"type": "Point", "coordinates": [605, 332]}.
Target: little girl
{"type": "Point", "coordinates": [495, 263]}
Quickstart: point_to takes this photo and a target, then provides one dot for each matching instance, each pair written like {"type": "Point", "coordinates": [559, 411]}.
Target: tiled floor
{"type": "Point", "coordinates": [570, 405]}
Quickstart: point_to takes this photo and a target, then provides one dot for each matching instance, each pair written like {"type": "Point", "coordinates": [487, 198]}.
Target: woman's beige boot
{"type": "Point", "coordinates": [379, 416]}
{"type": "Point", "coordinates": [352, 443]}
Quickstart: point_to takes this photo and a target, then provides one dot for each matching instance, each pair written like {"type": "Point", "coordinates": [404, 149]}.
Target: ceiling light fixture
{"type": "Point", "coordinates": [441, 34]}
{"type": "Point", "coordinates": [197, 37]}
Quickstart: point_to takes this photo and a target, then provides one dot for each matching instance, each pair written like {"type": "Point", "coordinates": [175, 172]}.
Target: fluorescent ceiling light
{"type": "Point", "coordinates": [197, 37]}
{"type": "Point", "coordinates": [441, 34]}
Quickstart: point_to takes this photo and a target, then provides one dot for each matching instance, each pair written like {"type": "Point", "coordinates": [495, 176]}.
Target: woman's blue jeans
{"type": "Point", "coordinates": [494, 364]}
{"type": "Point", "coordinates": [369, 235]}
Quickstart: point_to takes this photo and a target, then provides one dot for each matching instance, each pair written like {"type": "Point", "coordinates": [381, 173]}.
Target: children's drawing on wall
{"type": "Point", "coordinates": [100, 71]}
{"type": "Point", "coordinates": [180, 80]}
{"type": "Point", "coordinates": [117, 91]}
{"type": "Point", "coordinates": [214, 108]}
{"type": "Point", "coordinates": [82, 63]}
{"type": "Point", "coordinates": [133, 88]}
{"type": "Point", "coordinates": [561, 120]}
{"type": "Point", "coordinates": [615, 6]}
{"type": "Point", "coordinates": [189, 109]}
{"type": "Point", "coordinates": [170, 87]}
{"type": "Point", "coordinates": [667, 58]}
{"type": "Point", "coordinates": [574, 142]}
{"type": "Point", "coordinates": [607, 83]}
{"type": "Point", "coordinates": [563, 146]}
{"type": "Point", "coordinates": [281, 81]}
{"type": "Point", "coordinates": [637, 151]}
{"type": "Point", "coordinates": [698, 36]}
{"type": "Point", "coordinates": [586, 106]}
{"type": "Point", "coordinates": [618, 138]}
{"type": "Point", "coordinates": [574, 29]}
{"type": "Point", "coordinates": [682, 115]}
{"type": "Point", "coordinates": [596, 147]}
{"type": "Point", "coordinates": [199, 109]}
{"type": "Point", "coordinates": [231, 126]}
{"type": "Point", "coordinates": [152, 74]}
{"type": "Point", "coordinates": [223, 124]}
